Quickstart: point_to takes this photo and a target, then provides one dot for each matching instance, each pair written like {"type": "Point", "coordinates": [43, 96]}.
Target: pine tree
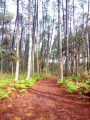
{"type": "Point", "coordinates": [60, 41]}
{"type": "Point", "coordinates": [17, 43]}
{"type": "Point", "coordinates": [29, 55]}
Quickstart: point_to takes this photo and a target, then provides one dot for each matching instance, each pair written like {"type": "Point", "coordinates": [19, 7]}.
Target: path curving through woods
{"type": "Point", "coordinates": [44, 101]}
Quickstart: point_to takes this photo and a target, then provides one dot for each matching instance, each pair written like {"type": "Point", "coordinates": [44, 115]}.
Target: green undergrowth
{"type": "Point", "coordinates": [55, 73]}
{"type": "Point", "coordinates": [7, 84]}
{"type": "Point", "coordinates": [80, 83]}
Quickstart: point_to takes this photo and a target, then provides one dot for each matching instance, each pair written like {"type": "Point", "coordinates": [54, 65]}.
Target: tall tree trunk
{"type": "Point", "coordinates": [70, 23]}
{"type": "Point", "coordinates": [33, 38]}
{"type": "Point", "coordinates": [29, 55]}
{"type": "Point", "coordinates": [43, 37]}
{"type": "Point", "coordinates": [12, 66]}
{"type": "Point", "coordinates": [13, 41]}
{"type": "Point", "coordinates": [17, 43]}
{"type": "Point", "coordinates": [88, 47]}
{"type": "Point", "coordinates": [2, 39]}
{"type": "Point", "coordinates": [67, 44]}
{"type": "Point", "coordinates": [23, 54]}
{"type": "Point", "coordinates": [84, 53]}
{"type": "Point", "coordinates": [60, 41]}
{"type": "Point", "coordinates": [37, 42]}
{"type": "Point", "coordinates": [33, 41]}
{"type": "Point", "coordinates": [77, 65]}
{"type": "Point", "coordinates": [47, 56]}
{"type": "Point", "coordinates": [20, 45]}
{"type": "Point", "coordinates": [73, 41]}
{"type": "Point", "coordinates": [1, 63]}
{"type": "Point", "coordinates": [63, 18]}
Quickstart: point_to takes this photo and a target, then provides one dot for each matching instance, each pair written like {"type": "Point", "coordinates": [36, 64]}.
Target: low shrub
{"type": "Point", "coordinates": [72, 83]}
{"type": "Point", "coordinates": [22, 83]}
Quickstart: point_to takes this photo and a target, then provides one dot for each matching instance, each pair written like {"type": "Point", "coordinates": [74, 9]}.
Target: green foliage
{"type": "Point", "coordinates": [4, 93]}
{"type": "Point", "coordinates": [55, 73]}
{"type": "Point", "coordinates": [72, 83]}
{"type": "Point", "coordinates": [22, 90]}
{"type": "Point", "coordinates": [71, 86]}
{"type": "Point", "coordinates": [7, 84]}
{"type": "Point", "coordinates": [43, 75]}
{"type": "Point", "coordinates": [7, 18]}
{"type": "Point", "coordinates": [80, 93]}
{"type": "Point", "coordinates": [58, 80]}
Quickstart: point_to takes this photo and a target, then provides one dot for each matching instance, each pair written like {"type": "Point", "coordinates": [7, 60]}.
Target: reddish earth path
{"type": "Point", "coordinates": [44, 101]}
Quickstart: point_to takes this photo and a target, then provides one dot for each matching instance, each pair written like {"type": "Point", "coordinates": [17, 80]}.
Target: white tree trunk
{"type": "Point", "coordinates": [17, 43]}
{"type": "Point", "coordinates": [60, 41]}
{"type": "Point", "coordinates": [37, 42]}
{"type": "Point", "coordinates": [30, 42]}
{"type": "Point", "coordinates": [88, 47]}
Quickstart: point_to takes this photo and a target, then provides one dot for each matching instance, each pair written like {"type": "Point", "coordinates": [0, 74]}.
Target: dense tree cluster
{"type": "Point", "coordinates": [41, 41]}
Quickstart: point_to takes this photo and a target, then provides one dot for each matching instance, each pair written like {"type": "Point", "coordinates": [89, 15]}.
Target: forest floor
{"type": "Point", "coordinates": [46, 100]}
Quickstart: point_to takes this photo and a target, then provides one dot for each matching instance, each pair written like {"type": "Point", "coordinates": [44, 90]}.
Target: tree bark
{"type": "Point", "coordinates": [60, 41]}
{"type": "Point", "coordinates": [37, 42]}
{"type": "Point", "coordinates": [88, 47]}
{"type": "Point", "coordinates": [63, 18]}
{"type": "Point", "coordinates": [43, 37]}
{"type": "Point", "coordinates": [67, 44]}
{"type": "Point", "coordinates": [17, 43]}
{"type": "Point", "coordinates": [12, 67]}
{"type": "Point", "coordinates": [47, 57]}
{"type": "Point", "coordinates": [73, 41]}
{"type": "Point", "coordinates": [29, 55]}
{"type": "Point", "coordinates": [2, 39]}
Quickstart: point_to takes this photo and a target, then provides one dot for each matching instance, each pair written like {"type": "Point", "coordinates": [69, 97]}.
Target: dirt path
{"type": "Point", "coordinates": [44, 101]}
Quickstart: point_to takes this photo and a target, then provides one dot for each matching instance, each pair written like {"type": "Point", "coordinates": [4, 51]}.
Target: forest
{"type": "Point", "coordinates": [44, 59]}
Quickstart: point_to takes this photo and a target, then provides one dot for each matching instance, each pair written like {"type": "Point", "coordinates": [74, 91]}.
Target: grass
{"type": "Point", "coordinates": [7, 84]}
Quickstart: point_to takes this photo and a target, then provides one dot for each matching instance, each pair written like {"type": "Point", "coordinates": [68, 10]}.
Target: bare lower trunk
{"type": "Point", "coordinates": [23, 65]}
{"type": "Point", "coordinates": [20, 68]}
{"type": "Point", "coordinates": [88, 47]}
{"type": "Point", "coordinates": [46, 69]}
{"type": "Point", "coordinates": [77, 65]}
{"type": "Point", "coordinates": [67, 43]}
{"type": "Point", "coordinates": [17, 70]}
{"type": "Point", "coordinates": [43, 42]}
{"type": "Point", "coordinates": [1, 63]}
{"type": "Point", "coordinates": [12, 67]}
{"type": "Point", "coordinates": [60, 41]}
{"type": "Point", "coordinates": [74, 63]}
{"type": "Point", "coordinates": [37, 42]}
{"type": "Point", "coordinates": [48, 63]}
{"type": "Point", "coordinates": [33, 64]}
{"type": "Point", "coordinates": [37, 61]}
{"type": "Point", "coordinates": [29, 55]}
{"type": "Point", "coordinates": [17, 43]}
{"type": "Point", "coordinates": [88, 53]}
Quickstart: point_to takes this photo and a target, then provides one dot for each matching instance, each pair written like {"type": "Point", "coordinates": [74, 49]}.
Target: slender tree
{"type": "Point", "coordinates": [29, 55]}
{"type": "Point", "coordinates": [63, 17]}
{"type": "Point", "coordinates": [43, 37]}
{"type": "Point", "coordinates": [88, 47]}
{"type": "Point", "coordinates": [60, 41]}
{"type": "Point", "coordinates": [17, 43]}
{"type": "Point", "coordinates": [37, 43]}
{"type": "Point", "coordinates": [4, 11]}
{"type": "Point", "coordinates": [74, 36]}
{"type": "Point", "coordinates": [67, 33]}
